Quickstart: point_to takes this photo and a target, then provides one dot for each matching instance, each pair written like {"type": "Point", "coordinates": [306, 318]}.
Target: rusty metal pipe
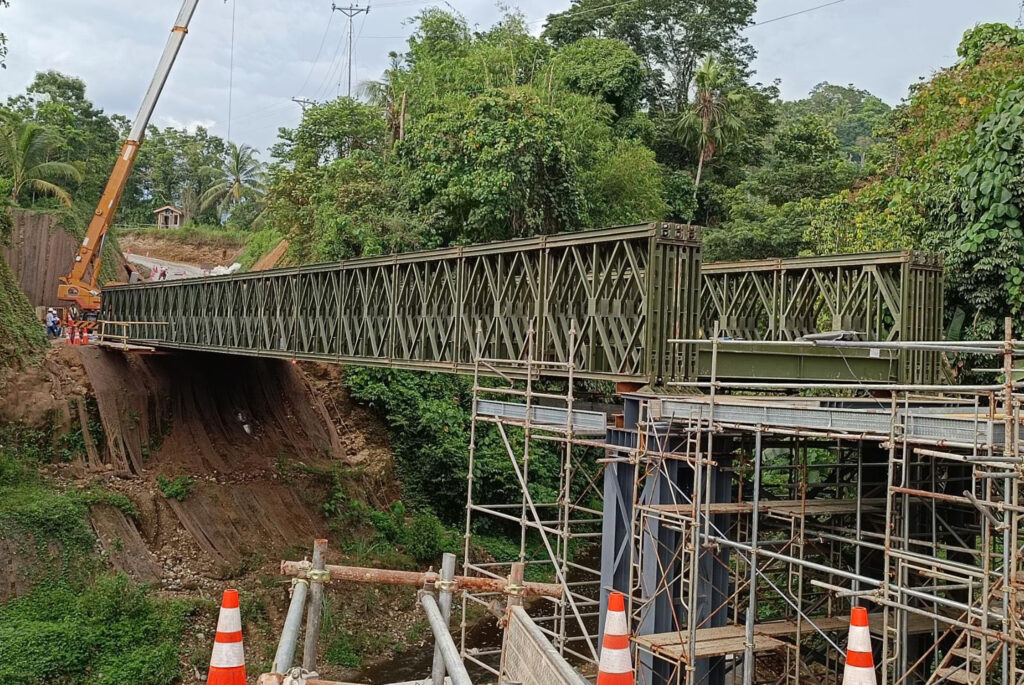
{"type": "Point", "coordinates": [417, 579]}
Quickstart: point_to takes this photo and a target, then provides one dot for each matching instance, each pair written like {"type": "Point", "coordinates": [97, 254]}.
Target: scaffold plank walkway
{"type": "Point", "coordinates": [712, 642]}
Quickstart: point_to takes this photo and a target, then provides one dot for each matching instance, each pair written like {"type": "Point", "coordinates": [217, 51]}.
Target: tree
{"type": "Point", "coordinates": [25, 149]}
{"type": "Point", "coordinates": [603, 68]}
{"type": "Point", "coordinates": [240, 178]}
{"type": "Point", "coordinates": [492, 167]}
{"type": "Point", "coordinates": [711, 122]}
{"type": "Point", "coordinates": [985, 36]}
{"type": "Point", "coordinates": [175, 167]}
{"type": "Point", "coordinates": [83, 135]}
{"type": "Point", "coordinates": [853, 114]}
{"type": "Point", "coordinates": [332, 131]}
{"type": "Point", "coordinates": [670, 36]}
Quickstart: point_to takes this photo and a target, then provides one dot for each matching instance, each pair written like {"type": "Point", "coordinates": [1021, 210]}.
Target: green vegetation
{"type": "Point", "coordinates": [109, 632]}
{"type": "Point", "coordinates": [238, 180]}
{"type": "Point", "coordinates": [177, 488]}
{"type": "Point", "coordinates": [419, 537]}
{"type": "Point", "coordinates": [22, 336]}
{"type": "Point", "coordinates": [25, 150]}
{"type": "Point", "coordinates": [76, 624]}
{"type": "Point", "coordinates": [258, 244]}
{"type": "Point", "coordinates": [949, 163]}
{"type": "Point", "coordinates": [55, 129]}
{"type": "Point", "coordinates": [52, 524]}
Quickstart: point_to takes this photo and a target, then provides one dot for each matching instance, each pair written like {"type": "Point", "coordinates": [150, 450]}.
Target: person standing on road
{"type": "Point", "coordinates": [52, 329]}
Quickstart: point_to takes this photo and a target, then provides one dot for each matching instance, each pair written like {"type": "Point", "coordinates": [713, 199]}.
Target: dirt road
{"type": "Point", "coordinates": [175, 270]}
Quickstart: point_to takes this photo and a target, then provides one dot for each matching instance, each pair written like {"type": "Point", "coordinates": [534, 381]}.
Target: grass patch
{"type": "Point", "coordinates": [98, 495]}
{"type": "Point", "coordinates": [55, 523]}
{"type": "Point", "coordinates": [259, 244]}
{"type": "Point", "coordinates": [108, 633]}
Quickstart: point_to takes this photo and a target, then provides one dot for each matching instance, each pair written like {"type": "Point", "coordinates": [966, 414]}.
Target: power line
{"type": "Point", "coordinates": [351, 11]}
{"type": "Point", "coordinates": [324, 88]}
{"type": "Point", "coordinates": [794, 14]}
{"type": "Point", "coordinates": [316, 60]}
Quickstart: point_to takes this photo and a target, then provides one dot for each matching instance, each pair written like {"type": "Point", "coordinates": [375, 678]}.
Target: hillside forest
{"type": "Point", "coordinates": [640, 112]}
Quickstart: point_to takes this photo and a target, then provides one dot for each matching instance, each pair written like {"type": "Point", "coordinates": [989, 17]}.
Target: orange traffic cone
{"type": "Point", "coordinates": [860, 664]}
{"type": "Point", "coordinates": [615, 667]}
{"type": "Point", "coordinates": [227, 665]}
{"type": "Point", "coordinates": [85, 336]}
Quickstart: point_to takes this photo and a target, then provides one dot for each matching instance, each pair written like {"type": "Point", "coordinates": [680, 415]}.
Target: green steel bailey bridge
{"type": "Point", "coordinates": [629, 304]}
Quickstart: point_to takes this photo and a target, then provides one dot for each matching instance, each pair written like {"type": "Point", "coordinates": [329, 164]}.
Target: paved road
{"type": "Point", "coordinates": [175, 270]}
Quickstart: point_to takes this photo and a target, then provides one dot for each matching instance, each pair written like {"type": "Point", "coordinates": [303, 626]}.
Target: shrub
{"type": "Point", "coordinates": [109, 633]}
{"type": "Point", "coordinates": [425, 537]}
{"type": "Point", "coordinates": [176, 488]}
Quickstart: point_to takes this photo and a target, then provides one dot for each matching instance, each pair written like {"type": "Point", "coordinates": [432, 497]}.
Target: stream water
{"type": "Point", "coordinates": [415, 664]}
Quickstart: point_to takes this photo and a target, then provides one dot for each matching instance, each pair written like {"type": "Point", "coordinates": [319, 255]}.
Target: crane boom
{"type": "Point", "coordinates": [80, 286]}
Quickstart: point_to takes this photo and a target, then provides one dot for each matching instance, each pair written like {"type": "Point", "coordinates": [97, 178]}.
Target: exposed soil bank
{"type": "Point", "coordinates": [41, 251]}
{"type": "Point", "coordinates": [261, 445]}
{"type": "Point", "coordinates": [203, 256]}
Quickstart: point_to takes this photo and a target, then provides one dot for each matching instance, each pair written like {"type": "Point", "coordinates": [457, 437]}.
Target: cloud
{"type": "Point", "coordinates": [114, 45]}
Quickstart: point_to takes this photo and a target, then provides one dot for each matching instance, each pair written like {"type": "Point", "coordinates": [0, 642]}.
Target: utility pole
{"type": "Point", "coordinates": [351, 11]}
{"type": "Point", "coordinates": [304, 103]}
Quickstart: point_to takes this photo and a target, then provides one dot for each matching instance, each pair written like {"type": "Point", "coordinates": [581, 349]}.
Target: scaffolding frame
{"type": "Point", "coordinates": [570, 622]}
{"type": "Point", "coordinates": [757, 520]}
{"type": "Point", "coordinates": [930, 524]}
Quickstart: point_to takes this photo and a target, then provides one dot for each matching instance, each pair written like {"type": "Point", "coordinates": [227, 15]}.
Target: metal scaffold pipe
{"type": "Point", "coordinates": [444, 589]}
{"type": "Point", "coordinates": [316, 604]}
{"type": "Point", "coordinates": [443, 640]}
{"type": "Point", "coordinates": [418, 579]}
{"type": "Point", "coordinates": [292, 623]}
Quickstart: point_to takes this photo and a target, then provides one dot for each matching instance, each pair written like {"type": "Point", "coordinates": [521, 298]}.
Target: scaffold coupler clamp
{"type": "Point", "coordinates": [318, 575]}
{"type": "Point", "coordinates": [295, 582]}
{"type": "Point", "coordinates": [513, 590]}
{"type": "Point", "coordinates": [441, 585]}
{"type": "Point", "coordinates": [299, 676]}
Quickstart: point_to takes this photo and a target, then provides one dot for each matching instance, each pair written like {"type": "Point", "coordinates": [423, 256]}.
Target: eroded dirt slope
{"type": "Point", "coordinates": [261, 445]}
{"type": "Point", "coordinates": [40, 251]}
{"type": "Point", "coordinates": [204, 256]}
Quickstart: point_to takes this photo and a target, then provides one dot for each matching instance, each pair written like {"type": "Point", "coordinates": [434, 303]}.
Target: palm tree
{"type": "Point", "coordinates": [384, 95]}
{"type": "Point", "coordinates": [24, 150]}
{"type": "Point", "coordinates": [711, 122]}
{"type": "Point", "coordinates": [239, 178]}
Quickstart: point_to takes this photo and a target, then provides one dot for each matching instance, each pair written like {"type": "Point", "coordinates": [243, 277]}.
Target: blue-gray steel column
{"type": "Point", "coordinates": [661, 569]}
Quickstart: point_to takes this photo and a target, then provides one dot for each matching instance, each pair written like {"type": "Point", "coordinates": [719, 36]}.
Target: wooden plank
{"type": "Point", "coordinates": [724, 640]}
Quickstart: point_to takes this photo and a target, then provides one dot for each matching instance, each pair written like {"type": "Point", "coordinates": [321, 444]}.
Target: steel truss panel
{"type": "Point", "coordinates": [624, 291]}
{"type": "Point", "coordinates": [881, 296]}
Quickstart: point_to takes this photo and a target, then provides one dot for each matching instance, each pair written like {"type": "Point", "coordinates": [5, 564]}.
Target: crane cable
{"type": "Point", "coordinates": [231, 67]}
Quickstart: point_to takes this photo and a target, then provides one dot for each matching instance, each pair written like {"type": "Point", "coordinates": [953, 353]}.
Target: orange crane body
{"type": "Point", "coordinates": [80, 286]}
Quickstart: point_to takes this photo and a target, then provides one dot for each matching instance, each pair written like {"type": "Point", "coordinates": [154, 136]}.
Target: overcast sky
{"type": "Point", "coordinates": [880, 45]}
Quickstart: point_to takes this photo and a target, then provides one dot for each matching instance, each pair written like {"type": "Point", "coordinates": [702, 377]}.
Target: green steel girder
{"type": "Point", "coordinates": [882, 296]}
{"type": "Point", "coordinates": [625, 291]}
